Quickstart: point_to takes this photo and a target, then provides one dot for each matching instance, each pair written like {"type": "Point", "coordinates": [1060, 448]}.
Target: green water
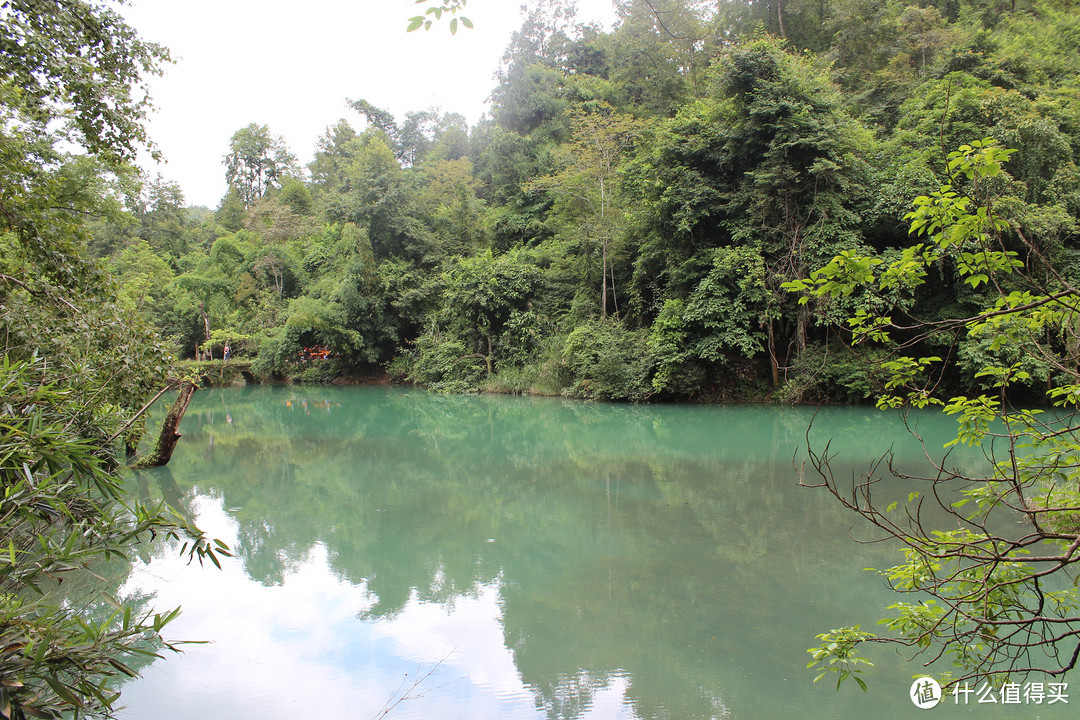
{"type": "Point", "coordinates": [406, 555]}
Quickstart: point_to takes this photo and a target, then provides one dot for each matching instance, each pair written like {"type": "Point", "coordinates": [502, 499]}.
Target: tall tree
{"type": "Point", "coordinates": [256, 162]}
{"type": "Point", "coordinates": [103, 97]}
{"type": "Point", "coordinates": [661, 50]}
{"type": "Point", "coordinates": [161, 217]}
{"type": "Point", "coordinates": [587, 185]}
{"type": "Point", "coordinates": [770, 163]}
{"type": "Point", "coordinates": [332, 155]}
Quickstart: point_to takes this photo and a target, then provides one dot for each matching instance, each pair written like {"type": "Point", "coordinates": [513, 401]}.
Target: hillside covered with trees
{"type": "Point", "coordinates": [622, 224]}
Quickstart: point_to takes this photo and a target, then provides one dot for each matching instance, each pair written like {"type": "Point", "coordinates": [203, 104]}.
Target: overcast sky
{"type": "Point", "coordinates": [293, 65]}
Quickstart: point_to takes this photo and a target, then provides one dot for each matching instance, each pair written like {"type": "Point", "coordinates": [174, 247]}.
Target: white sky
{"type": "Point", "coordinates": [293, 65]}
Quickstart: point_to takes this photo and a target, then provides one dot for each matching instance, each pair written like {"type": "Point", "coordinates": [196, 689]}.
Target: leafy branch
{"type": "Point", "coordinates": [64, 513]}
{"type": "Point", "coordinates": [996, 592]}
{"type": "Point", "coordinates": [434, 14]}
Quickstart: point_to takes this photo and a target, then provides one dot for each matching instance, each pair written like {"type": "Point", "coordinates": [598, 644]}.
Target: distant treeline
{"type": "Point", "coordinates": [620, 227]}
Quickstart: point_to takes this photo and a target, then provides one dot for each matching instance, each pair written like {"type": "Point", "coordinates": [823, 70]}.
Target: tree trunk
{"type": "Point", "coordinates": [169, 429]}
{"type": "Point", "coordinates": [603, 249]}
{"type": "Point", "coordinates": [803, 321]}
{"type": "Point", "coordinates": [772, 355]}
{"type": "Point", "coordinates": [614, 295]}
{"type": "Point", "coordinates": [603, 279]}
{"type": "Point", "coordinates": [206, 326]}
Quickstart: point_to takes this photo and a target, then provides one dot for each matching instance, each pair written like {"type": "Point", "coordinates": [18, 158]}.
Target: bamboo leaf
{"type": "Point", "coordinates": [123, 668]}
{"type": "Point", "coordinates": [65, 693]}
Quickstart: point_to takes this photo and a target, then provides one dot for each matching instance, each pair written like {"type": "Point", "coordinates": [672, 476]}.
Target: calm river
{"type": "Point", "coordinates": [405, 555]}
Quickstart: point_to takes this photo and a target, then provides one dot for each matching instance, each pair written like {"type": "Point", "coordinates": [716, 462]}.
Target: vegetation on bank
{"type": "Point", "coordinates": [622, 225]}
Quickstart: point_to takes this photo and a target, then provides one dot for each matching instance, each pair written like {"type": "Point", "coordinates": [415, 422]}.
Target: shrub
{"type": "Point", "coordinates": [603, 360]}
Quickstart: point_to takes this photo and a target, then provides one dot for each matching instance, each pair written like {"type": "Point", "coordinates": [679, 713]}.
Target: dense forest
{"type": "Point", "coordinates": [622, 224]}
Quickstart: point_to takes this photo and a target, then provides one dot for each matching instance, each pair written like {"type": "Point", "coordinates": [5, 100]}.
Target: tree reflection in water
{"type": "Point", "coordinates": [554, 559]}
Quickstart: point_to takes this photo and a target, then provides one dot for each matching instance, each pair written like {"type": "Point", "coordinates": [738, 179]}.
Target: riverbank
{"type": "Point", "coordinates": [225, 373]}
{"type": "Point", "coordinates": [240, 371]}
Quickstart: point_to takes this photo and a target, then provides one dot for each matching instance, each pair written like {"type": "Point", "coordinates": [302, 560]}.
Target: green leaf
{"type": "Point", "coordinates": [123, 668]}
{"type": "Point", "coordinates": [65, 693]}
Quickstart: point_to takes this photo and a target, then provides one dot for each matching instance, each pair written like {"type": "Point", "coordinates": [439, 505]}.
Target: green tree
{"type": "Point", "coordinates": [449, 199]}
{"type": "Point", "coordinates": [160, 212]}
{"type": "Point", "coordinates": [375, 194]}
{"type": "Point", "coordinates": [332, 154]}
{"type": "Point", "coordinates": [603, 360]}
{"type": "Point", "coordinates": [481, 296]}
{"type": "Point", "coordinates": [256, 162]}
{"type": "Point", "coordinates": [145, 277]}
{"type": "Point", "coordinates": [721, 317]}
{"type": "Point", "coordinates": [661, 51]}
{"type": "Point", "coordinates": [102, 99]}
{"type": "Point", "coordinates": [771, 163]}
{"type": "Point", "coordinates": [587, 185]}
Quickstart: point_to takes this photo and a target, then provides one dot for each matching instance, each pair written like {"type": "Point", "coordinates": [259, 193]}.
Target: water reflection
{"type": "Point", "coordinates": [514, 558]}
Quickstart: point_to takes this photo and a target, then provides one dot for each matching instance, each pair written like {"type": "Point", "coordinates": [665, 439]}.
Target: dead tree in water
{"type": "Point", "coordinates": [170, 434]}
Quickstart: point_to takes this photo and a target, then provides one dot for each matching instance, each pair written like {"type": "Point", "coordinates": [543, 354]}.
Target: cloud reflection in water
{"type": "Point", "coordinates": [309, 646]}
